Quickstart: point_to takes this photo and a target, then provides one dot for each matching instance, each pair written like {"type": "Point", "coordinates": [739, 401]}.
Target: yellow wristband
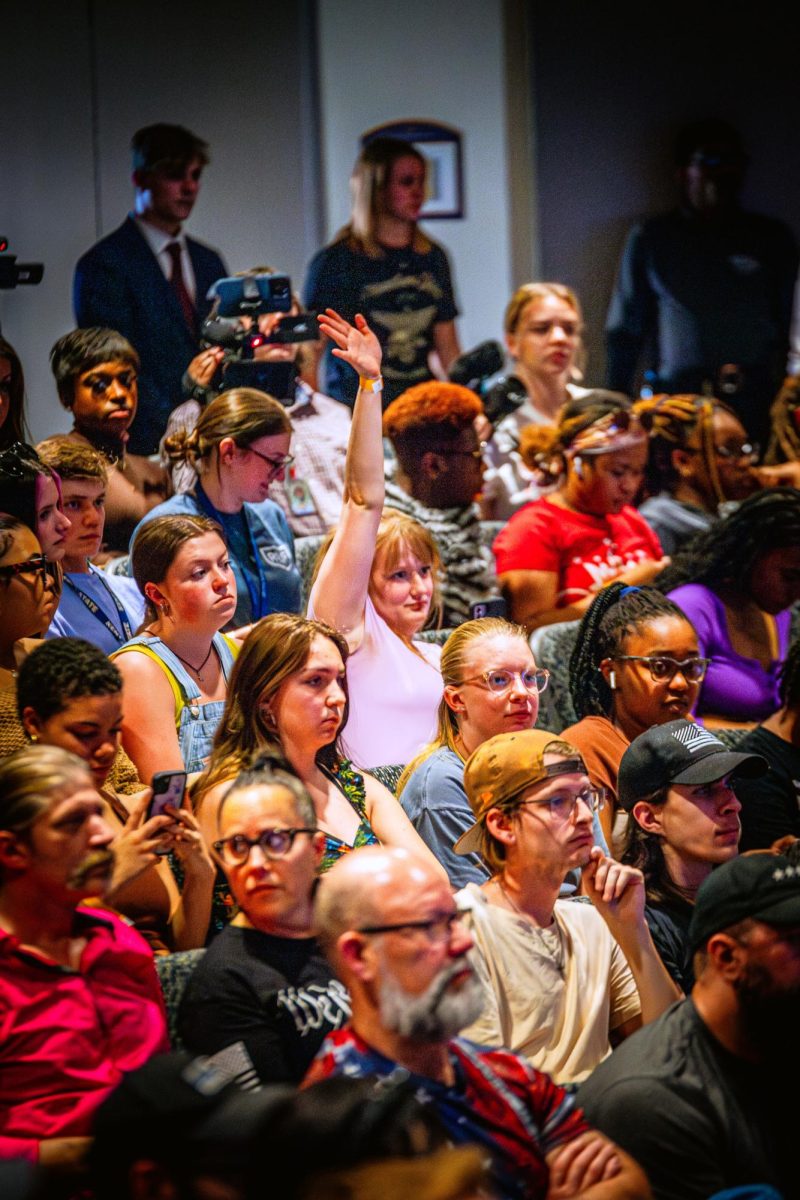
{"type": "Point", "coordinates": [370, 385]}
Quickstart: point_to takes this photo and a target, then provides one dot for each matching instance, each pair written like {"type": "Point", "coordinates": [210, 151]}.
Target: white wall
{"type": "Point", "coordinates": [440, 61]}
{"type": "Point", "coordinates": [81, 76]}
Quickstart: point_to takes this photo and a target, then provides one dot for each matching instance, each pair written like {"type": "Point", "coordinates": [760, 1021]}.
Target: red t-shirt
{"type": "Point", "coordinates": [585, 552]}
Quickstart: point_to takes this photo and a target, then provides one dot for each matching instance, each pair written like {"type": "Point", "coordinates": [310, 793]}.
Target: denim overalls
{"type": "Point", "coordinates": [196, 723]}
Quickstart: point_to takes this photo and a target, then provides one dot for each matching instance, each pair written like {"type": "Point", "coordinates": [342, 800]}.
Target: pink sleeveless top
{"type": "Point", "coordinates": [394, 695]}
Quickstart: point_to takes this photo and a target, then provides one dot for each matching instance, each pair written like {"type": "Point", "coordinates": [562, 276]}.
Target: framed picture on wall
{"type": "Point", "coordinates": [440, 146]}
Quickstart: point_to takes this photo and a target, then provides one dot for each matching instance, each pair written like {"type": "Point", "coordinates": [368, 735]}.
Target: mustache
{"type": "Point", "coordinates": [448, 974]}
{"type": "Point", "coordinates": [97, 860]}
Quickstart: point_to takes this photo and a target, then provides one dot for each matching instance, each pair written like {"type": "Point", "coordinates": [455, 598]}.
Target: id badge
{"type": "Point", "coordinates": [301, 502]}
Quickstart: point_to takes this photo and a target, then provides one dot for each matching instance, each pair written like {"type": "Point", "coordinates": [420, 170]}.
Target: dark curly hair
{"type": "Point", "coordinates": [727, 554]}
{"type": "Point", "coordinates": [61, 670]}
{"type": "Point", "coordinates": [615, 613]}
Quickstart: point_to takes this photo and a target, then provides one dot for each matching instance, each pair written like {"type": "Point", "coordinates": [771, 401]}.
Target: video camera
{"type": "Point", "coordinates": [251, 296]}
{"type": "Point", "coordinates": [13, 273]}
{"type": "Point", "coordinates": [482, 371]}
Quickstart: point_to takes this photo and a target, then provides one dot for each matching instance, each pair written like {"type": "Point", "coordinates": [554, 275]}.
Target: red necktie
{"type": "Point", "coordinates": [178, 286]}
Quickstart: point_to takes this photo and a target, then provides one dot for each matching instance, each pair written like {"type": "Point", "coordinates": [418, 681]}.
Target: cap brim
{"type": "Point", "coordinates": [471, 841]}
{"type": "Point", "coordinates": [728, 762]}
{"type": "Point", "coordinates": [785, 912]}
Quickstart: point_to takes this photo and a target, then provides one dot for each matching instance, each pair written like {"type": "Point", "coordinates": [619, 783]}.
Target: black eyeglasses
{"type": "Point", "coordinates": [277, 462]}
{"type": "Point", "coordinates": [500, 680]}
{"type": "Point", "coordinates": [273, 843]}
{"type": "Point", "coordinates": [663, 668]}
{"type": "Point", "coordinates": [563, 805]}
{"type": "Point", "coordinates": [35, 565]}
{"type": "Point", "coordinates": [437, 930]}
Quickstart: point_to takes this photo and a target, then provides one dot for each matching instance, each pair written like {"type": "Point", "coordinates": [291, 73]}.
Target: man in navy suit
{"type": "Point", "coordinates": [148, 280]}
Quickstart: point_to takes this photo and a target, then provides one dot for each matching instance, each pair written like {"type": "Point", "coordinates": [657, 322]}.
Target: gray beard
{"type": "Point", "coordinates": [437, 1014]}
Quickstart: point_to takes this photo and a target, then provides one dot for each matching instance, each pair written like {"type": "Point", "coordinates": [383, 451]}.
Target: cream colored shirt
{"type": "Point", "coordinates": [553, 994]}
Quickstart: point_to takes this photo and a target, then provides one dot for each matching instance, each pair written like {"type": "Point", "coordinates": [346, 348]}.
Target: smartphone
{"type": "Point", "coordinates": [496, 607]}
{"type": "Point", "coordinates": [168, 789]}
{"type": "Point", "coordinates": [301, 327]}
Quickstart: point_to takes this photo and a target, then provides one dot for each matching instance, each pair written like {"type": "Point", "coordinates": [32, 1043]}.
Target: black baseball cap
{"type": "Point", "coordinates": [765, 887]}
{"type": "Point", "coordinates": [176, 1109]}
{"type": "Point", "coordinates": [679, 752]}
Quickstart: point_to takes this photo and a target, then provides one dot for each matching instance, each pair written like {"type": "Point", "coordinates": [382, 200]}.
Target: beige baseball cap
{"type": "Point", "coordinates": [502, 767]}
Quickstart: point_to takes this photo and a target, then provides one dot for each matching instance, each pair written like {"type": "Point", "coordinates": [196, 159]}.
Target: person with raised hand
{"type": "Point", "coordinates": [376, 582]}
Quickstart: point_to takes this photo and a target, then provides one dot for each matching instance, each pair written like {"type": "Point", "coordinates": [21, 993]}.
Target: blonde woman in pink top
{"type": "Point", "coordinates": [377, 582]}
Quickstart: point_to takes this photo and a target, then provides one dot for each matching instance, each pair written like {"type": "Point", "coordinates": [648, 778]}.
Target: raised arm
{"type": "Point", "coordinates": [340, 591]}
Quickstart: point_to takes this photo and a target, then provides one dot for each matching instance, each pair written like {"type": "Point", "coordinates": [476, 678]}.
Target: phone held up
{"type": "Point", "coordinates": [169, 788]}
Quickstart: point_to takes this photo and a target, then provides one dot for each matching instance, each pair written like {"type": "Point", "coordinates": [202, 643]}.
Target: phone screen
{"type": "Point", "coordinates": [168, 789]}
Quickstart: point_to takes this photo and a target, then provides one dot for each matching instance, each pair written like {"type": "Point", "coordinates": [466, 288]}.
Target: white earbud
{"type": "Point", "coordinates": [577, 464]}
{"type": "Point", "coordinates": [612, 680]}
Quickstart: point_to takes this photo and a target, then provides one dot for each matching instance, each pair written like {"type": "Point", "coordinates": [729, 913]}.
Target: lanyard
{"type": "Point", "coordinates": [96, 611]}
{"type": "Point", "coordinates": [257, 589]}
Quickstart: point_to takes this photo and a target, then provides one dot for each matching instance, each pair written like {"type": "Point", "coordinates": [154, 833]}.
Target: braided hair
{"type": "Point", "coordinates": [784, 441]}
{"type": "Point", "coordinates": [681, 422]}
{"type": "Point", "coordinates": [615, 613]}
{"type": "Point", "coordinates": [727, 554]}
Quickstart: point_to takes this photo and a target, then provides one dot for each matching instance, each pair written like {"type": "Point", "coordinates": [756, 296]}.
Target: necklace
{"type": "Point", "coordinates": [510, 899]}
{"type": "Point", "coordinates": [549, 940]}
{"type": "Point", "coordinates": [197, 670]}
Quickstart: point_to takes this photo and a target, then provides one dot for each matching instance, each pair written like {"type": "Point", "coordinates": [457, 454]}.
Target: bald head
{"type": "Point", "coordinates": [363, 887]}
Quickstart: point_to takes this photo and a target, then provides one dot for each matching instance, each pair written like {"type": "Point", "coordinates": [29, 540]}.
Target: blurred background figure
{"type": "Point", "coordinates": [542, 324]}
{"type": "Point", "coordinates": [704, 293]}
{"type": "Point", "coordinates": [383, 266]}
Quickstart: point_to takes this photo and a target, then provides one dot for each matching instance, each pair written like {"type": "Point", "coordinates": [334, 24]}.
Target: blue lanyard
{"type": "Point", "coordinates": [258, 594]}
{"type": "Point", "coordinates": [96, 611]}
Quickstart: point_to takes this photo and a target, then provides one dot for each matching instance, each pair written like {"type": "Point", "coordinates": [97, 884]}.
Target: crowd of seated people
{"type": "Point", "coordinates": [379, 852]}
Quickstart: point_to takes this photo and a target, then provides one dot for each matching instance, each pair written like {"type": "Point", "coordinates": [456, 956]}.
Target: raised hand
{"type": "Point", "coordinates": [357, 344]}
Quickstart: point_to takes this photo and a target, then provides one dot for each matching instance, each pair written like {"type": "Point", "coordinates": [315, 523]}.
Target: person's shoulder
{"type": "Point", "coordinates": [697, 594]}
{"type": "Point", "coordinates": [107, 931]}
{"type": "Point", "coordinates": [326, 406]}
{"type": "Point", "coordinates": [125, 235]}
{"type": "Point", "coordinates": [203, 251]}
{"type": "Point", "coordinates": [506, 1066]}
{"type": "Point", "coordinates": [231, 952]}
{"type": "Point", "coordinates": [632, 517]}
{"type": "Point", "coordinates": [768, 227]}
{"type": "Point", "coordinates": [576, 914]}
{"type": "Point", "coordinates": [443, 766]}
{"type": "Point", "coordinates": [327, 257]}
{"type": "Point", "coordinates": [272, 516]}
